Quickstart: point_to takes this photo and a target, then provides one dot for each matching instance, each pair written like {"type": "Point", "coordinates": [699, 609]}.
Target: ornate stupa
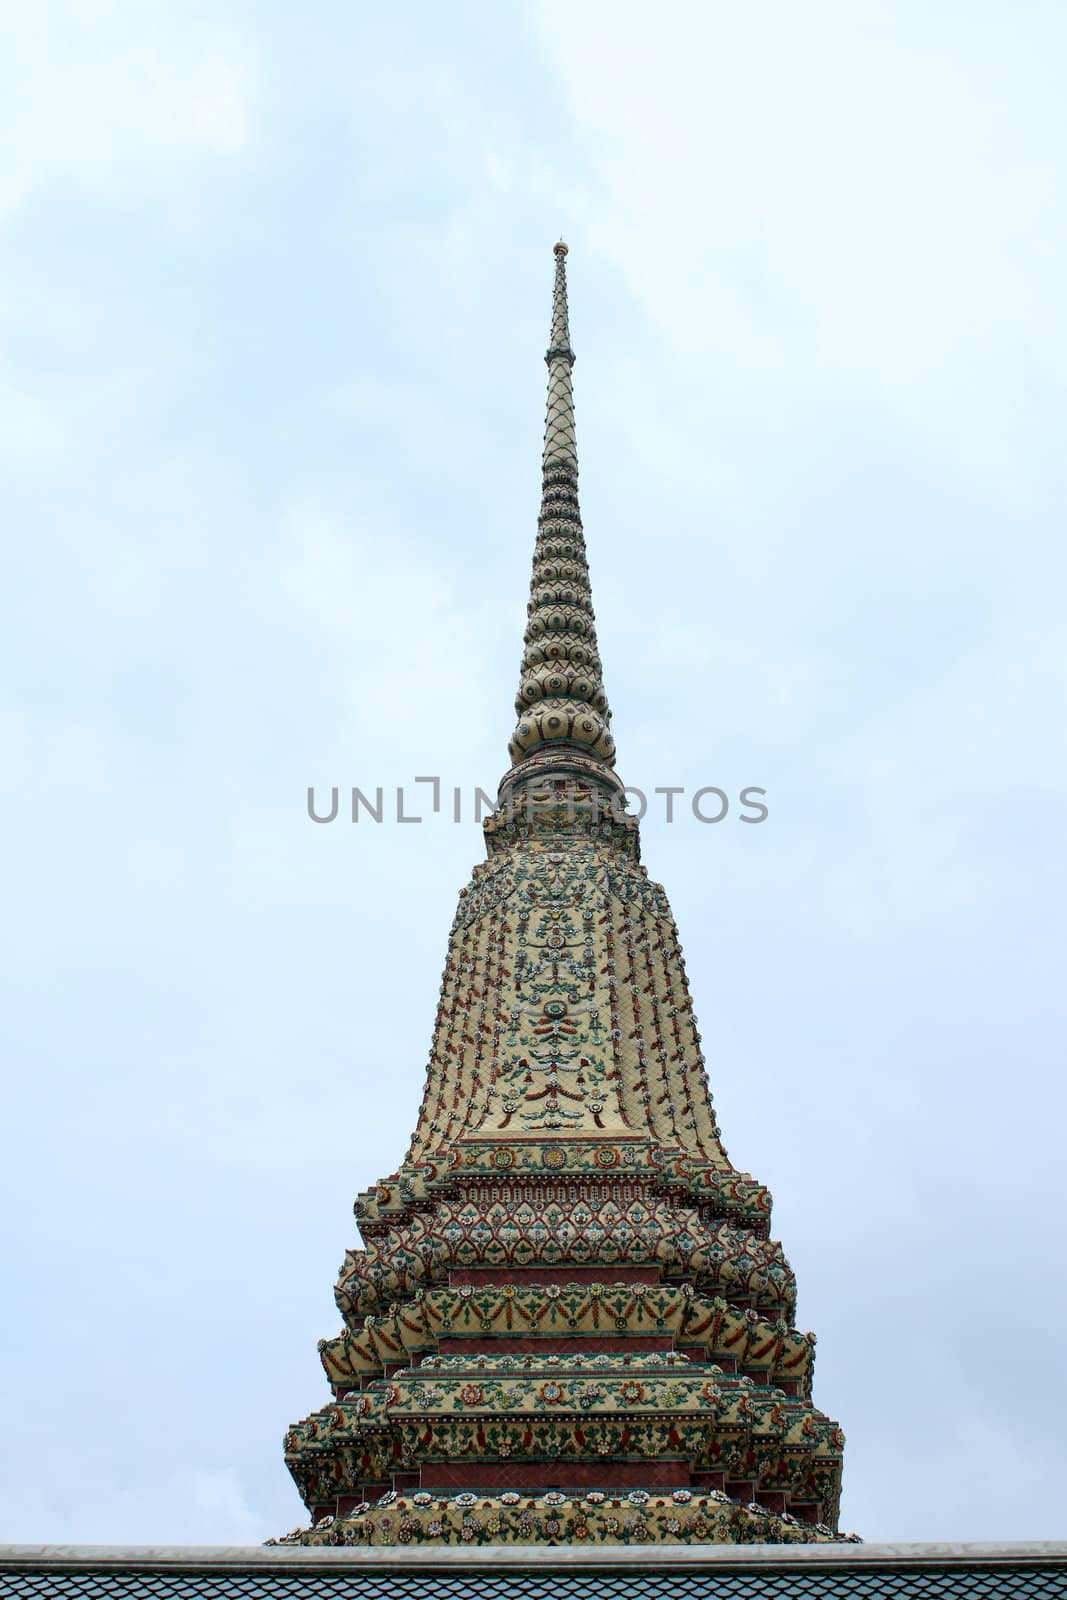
{"type": "Point", "coordinates": [569, 1321]}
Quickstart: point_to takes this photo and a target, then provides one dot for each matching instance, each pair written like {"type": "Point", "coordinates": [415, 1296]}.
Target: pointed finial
{"type": "Point", "coordinates": [564, 721]}
{"type": "Point", "coordinates": [559, 339]}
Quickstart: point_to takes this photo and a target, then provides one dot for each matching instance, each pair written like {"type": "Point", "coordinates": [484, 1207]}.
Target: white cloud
{"type": "Point", "coordinates": [88, 92]}
{"type": "Point", "coordinates": [195, 1506]}
{"type": "Point", "coordinates": [395, 630]}
{"type": "Point", "coordinates": [962, 789]}
{"type": "Point", "coordinates": [976, 1475]}
{"type": "Point", "coordinates": [835, 196]}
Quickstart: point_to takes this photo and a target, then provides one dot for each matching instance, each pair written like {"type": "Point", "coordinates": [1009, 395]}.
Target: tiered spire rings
{"type": "Point", "coordinates": [564, 721]}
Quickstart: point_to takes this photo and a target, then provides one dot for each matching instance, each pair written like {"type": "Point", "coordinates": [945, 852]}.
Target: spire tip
{"type": "Point", "coordinates": [564, 720]}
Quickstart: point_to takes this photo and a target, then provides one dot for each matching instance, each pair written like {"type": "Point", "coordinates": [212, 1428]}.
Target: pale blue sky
{"type": "Point", "coordinates": [273, 301]}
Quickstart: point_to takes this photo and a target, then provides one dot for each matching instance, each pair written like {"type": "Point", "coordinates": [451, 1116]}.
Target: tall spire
{"type": "Point", "coordinates": [561, 443]}
{"type": "Point", "coordinates": [564, 721]}
{"type": "Point", "coordinates": [568, 1321]}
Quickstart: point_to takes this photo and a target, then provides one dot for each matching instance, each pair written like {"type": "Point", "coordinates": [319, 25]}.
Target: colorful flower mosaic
{"type": "Point", "coordinates": [594, 1518]}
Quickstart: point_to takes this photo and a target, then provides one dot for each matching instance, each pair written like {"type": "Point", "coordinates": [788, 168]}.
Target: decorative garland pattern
{"type": "Point", "coordinates": [597, 1517]}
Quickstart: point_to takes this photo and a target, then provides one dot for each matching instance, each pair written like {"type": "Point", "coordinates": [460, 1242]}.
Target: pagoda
{"type": "Point", "coordinates": [569, 1321]}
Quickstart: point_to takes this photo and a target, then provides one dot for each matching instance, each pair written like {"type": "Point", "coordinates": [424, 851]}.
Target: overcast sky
{"type": "Point", "coordinates": [274, 294]}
